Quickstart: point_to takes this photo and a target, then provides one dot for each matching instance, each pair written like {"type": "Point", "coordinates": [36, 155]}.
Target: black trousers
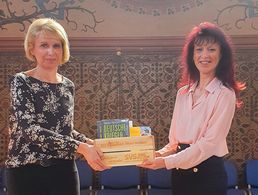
{"type": "Point", "coordinates": [58, 179]}
{"type": "Point", "coordinates": [208, 178]}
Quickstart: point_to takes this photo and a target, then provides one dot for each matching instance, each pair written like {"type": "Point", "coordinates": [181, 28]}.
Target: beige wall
{"type": "Point", "coordinates": [117, 22]}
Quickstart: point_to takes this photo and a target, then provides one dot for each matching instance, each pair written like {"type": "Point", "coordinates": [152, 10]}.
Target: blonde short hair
{"type": "Point", "coordinates": [46, 25]}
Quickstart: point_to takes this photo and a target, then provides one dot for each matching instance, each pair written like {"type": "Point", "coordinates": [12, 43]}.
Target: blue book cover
{"type": "Point", "coordinates": [145, 130]}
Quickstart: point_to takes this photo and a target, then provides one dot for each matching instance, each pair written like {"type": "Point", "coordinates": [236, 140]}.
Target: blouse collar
{"type": "Point", "coordinates": [211, 87]}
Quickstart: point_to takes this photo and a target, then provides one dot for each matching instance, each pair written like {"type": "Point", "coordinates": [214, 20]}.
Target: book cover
{"type": "Point", "coordinates": [140, 131]}
{"type": "Point", "coordinates": [135, 131]}
{"type": "Point", "coordinates": [113, 128]}
{"type": "Point", "coordinates": [145, 130]}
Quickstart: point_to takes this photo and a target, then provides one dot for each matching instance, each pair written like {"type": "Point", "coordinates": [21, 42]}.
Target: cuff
{"type": "Point", "coordinates": [170, 162]}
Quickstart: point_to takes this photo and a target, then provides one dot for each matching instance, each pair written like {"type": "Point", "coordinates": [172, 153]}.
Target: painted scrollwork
{"type": "Point", "coordinates": [244, 12]}
{"type": "Point", "coordinates": [66, 10]}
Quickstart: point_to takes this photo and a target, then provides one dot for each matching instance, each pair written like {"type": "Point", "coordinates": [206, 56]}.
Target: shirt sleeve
{"type": "Point", "coordinates": [25, 120]}
{"type": "Point", "coordinates": [212, 140]}
{"type": "Point", "coordinates": [79, 136]}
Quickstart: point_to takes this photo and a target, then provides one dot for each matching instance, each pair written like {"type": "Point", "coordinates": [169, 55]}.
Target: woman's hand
{"type": "Point", "coordinates": [93, 156]}
{"type": "Point", "coordinates": [158, 154]}
{"type": "Point", "coordinates": [156, 163]}
{"type": "Point", "coordinates": [89, 141]}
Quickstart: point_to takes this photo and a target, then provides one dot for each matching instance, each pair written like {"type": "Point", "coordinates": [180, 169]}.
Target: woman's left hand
{"type": "Point", "coordinates": [156, 163]}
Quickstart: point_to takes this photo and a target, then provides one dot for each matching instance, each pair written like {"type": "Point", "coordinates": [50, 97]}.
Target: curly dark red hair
{"type": "Point", "coordinates": [210, 33]}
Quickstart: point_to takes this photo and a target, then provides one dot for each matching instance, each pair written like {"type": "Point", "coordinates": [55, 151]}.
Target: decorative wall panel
{"type": "Point", "coordinates": [140, 86]}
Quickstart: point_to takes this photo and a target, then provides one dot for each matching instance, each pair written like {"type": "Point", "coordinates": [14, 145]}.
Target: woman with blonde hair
{"type": "Point", "coordinates": [43, 141]}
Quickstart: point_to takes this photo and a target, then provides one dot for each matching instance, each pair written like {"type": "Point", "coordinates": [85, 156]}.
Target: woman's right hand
{"type": "Point", "coordinates": [93, 156]}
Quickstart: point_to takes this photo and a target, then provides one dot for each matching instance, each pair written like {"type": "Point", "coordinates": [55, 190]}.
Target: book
{"type": "Point", "coordinates": [140, 131]}
{"type": "Point", "coordinates": [111, 128]}
{"type": "Point", "coordinates": [135, 131]}
{"type": "Point", "coordinates": [145, 130]}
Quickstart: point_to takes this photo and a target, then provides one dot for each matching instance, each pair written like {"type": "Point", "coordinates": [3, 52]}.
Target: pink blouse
{"type": "Point", "coordinates": [204, 125]}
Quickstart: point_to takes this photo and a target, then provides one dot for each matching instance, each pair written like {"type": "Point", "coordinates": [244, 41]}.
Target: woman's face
{"type": "Point", "coordinates": [206, 58]}
{"type": "Point", "coordinates": [47, 50]}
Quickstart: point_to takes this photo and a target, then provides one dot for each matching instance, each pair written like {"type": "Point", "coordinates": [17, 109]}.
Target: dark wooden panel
{"type": "Point", "coordinates": [126, 44]}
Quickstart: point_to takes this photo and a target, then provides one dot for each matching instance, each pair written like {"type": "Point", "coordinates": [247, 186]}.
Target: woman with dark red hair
{"type": "Point", "coordinates": [202, 116]}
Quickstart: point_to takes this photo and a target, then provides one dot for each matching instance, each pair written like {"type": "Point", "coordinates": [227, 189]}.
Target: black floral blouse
{"type": "Point", "coordinates": [41, 121]}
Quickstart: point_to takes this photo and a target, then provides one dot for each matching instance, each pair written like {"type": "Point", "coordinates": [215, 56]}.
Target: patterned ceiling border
{"type": "Point", "coordinates": [156, 7]}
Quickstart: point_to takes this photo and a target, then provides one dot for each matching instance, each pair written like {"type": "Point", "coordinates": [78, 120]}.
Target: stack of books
{"type": "Point", "coordinates": [122, 144]}
{"type": "Point", "coordinates": [111, 128]}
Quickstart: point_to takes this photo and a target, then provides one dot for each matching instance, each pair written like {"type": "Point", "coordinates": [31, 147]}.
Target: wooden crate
{"type": "Point", "coordinates": [124, 151]}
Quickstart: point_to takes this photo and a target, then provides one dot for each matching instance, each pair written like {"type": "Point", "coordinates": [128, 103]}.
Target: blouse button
{"type": "Point", "coordinates": [195, 170]}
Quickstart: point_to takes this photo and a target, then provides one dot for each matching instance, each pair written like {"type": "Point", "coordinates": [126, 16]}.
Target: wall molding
{"type": "Point", "coordinates": [126, 44]}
